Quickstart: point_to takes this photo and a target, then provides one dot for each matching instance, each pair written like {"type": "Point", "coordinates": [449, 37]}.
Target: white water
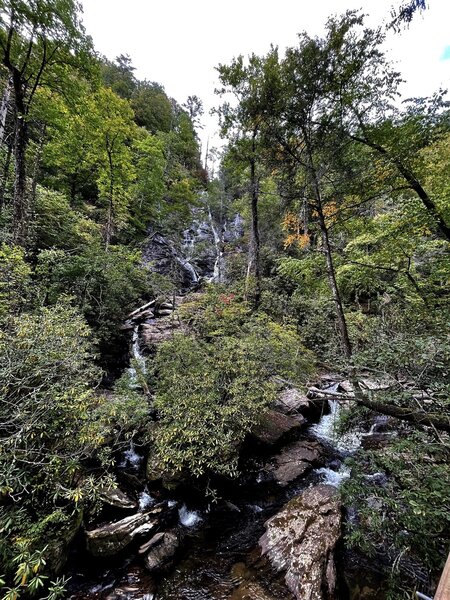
{"type": "Point", "coordinates": [145, 500]}
{"type": "Point", "coordinates": [131, 458]}
{"type": "Point", "coordinates": [138, 358]}
{"type": "Point", "coordinates": [189, 268]}
{"type": "Point", "coordinates": [326, 428]}
{"type": "Point", "coordinates": [188, 518]}
{"type": "Point", "coordinates": [334, 478]}
{"type": "Point", "coordinates": [218, 265]}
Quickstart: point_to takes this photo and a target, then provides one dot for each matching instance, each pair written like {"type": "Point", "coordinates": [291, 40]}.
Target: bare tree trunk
{"type": "Point", "coordinates": [331, 273]}
{"type": "Point", "coordinates": [4, 181]}
{"type": "Point", "coordinates": [253, 266]}
{"type": "Point", "coordinates": [20, 215]}
{"type": "Point", "coordinates": [4, 109]}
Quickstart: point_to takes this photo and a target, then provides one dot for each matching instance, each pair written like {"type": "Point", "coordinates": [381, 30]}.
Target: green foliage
{"type": "Point", "coordinates": [14, 279]}
{"type": "Point", "coordinates": [46, 374]}
{"type": "Point", "coordinates": [408, 514]}
{"type": "Point", "coordinates": [58, 225]}
{"type": "Point", "coordinates": [212, 390]}
{"type": "Point", "coordinates": [104, 284]}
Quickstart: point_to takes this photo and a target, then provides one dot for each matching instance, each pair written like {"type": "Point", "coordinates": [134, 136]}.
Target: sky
{"type": "Point", "coordinates": [178, 43]}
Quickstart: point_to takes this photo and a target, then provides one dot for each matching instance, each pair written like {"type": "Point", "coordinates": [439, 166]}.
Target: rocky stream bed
{"type": "Point", "coordinates": [275, 533]}
{"type": "Point", "coordinates": [272, 534]}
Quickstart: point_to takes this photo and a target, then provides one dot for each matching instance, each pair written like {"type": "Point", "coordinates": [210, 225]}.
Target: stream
{"type": "Point", "coordinates": [219, 557]}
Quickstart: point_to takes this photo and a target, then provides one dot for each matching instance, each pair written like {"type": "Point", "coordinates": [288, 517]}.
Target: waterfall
{"type": "Point", "coordinates": [186, 265]}
{"type": "Point", "coordinates": [218, 265]}
{"type": "Point", "coordinates": [138, 358]}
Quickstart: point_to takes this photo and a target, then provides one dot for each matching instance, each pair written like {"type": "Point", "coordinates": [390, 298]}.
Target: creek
{"type": "Point", "coordinates": [218, 556]}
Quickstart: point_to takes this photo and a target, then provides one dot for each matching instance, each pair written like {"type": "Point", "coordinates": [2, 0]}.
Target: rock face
{"type": "Point", "coordinates": [300, 540]}
{"type": "Point", "coordinates": [159, 331]}
{"type": "Point", "coordinates": [275, 426]}
{"type": "Point", "coordinates": [292, 402]}
{"type": "Point", "coordinates": [114, 537]}
{"type": "Point", "coordinates": [162, 548]}
{"type": "Point", "coordinates": [294, 461]}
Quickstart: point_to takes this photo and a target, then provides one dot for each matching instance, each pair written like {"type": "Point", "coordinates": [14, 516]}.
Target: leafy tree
{"type": "Point", "coordinates": [15, 275]}
{"type": "Point", "coordinates": [45, 379]}
{"type": "Point", "coordinates": [119, 75]}
{"type": "Point", "coordinates": [211, 391]}
{"type": "Point", "coordinates": [40, 41]}
{"type": "Point", "coordinates": [152, 108]}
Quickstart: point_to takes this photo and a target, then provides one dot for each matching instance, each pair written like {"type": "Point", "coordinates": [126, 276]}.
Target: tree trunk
{"type": "Point", "coordinates": [253, 267]}
{"type": "Point", "coordinates": [4, 181]}
{"type": "Point", "coordinates": [20, 215]}
{"type": "Point", "coordinates": [4, 109]}
{"type": "Point", "coordinates": [342, 324]}
{"type": "Point", "coordinates": [37, 164]}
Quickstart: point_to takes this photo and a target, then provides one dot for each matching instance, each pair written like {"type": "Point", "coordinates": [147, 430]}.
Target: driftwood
{"type": "Point", "coordinates": [416, 417]}
{"type": "Point", "coordinates": [141, 309]}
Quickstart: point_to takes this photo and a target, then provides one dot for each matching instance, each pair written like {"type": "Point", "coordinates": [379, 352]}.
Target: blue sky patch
{"type": "Point", "coordinates": [446, 53]}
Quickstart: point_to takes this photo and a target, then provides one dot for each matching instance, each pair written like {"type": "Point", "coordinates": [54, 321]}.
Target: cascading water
{"type": "Point", "coordinates": [187, 266]}
{"type": "Point", "coordinates": [139, 359]}
{"type": "Point", "coordinates": [218, 264]}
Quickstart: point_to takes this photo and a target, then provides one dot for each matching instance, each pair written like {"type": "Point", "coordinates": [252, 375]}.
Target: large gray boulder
{"type": "Point", "coordinates": [118, 499]}
{"type": "Point", "coordinates": [292, 401]}
{"type": "Point", "coordinates": [110, 539]}
{"type": "Point", "coordinates": [159, 330]}
{"type": "Point", "coordinates": [161, 550]}
{"type": "Point", "coordinates": [275, 426]}
{"type": "Point", "coordinates": [300, 541]}
{"type": "Point", "coordinates": [294, 460]}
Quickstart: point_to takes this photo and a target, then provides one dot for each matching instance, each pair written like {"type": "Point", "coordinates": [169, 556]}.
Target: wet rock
{"type": "Point", "coordinates": [127, 326]}
{"type": "Point", "coordinates": [154, 541]}
{"type": "Point", "coordinates": [295, 460]}
{"type": "Point", "coordinates": [146, 314]}
{"type": "Point", "coordinates": [165, 312]}
{"type": "Point", "coordinates": [118, 499]}
{"type": "Point", "coordinates": [159, 331]}
{"type": "Point", "coordinates": [275, 426]}
{"type": "Point", "coordinates": [166, 305]}
{"type": "Point", "coordinates": [374, 441]}
{"type": "Point", "coordinates": [162, 551]}
{"type": "Point", "coordinates": [292, 401]}
{"type": "Point", "coordinates": [114, 537]}
{"type": "Point", "coordinates": [58, 546]}
{"type": "Point", "coordinates": [300, 541]}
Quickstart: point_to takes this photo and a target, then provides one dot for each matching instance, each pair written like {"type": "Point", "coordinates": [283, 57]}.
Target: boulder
{"type": "Point", "coordinates": [275, 426]}
{"type": "Point", "coordinates": [294, 460]}
{"type": "Point", "coordinates": [110, 539]}
{"type": "Point", "coordinates": [162, 550]}
{"type": "Point", "coordinates": [159, 331]}
{"type": "Point", "coordinates": [118, 499]}
{"type": "Point", "coordinates": [300, 541]}
{"type": "Point", "coordinates": [291, 401]}
{"type": "Point", "coordinates": [165, 312]}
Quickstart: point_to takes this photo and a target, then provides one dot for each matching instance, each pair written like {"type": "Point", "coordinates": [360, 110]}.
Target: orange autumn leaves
{"type": "Point", "coordinates": [296, 230]}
